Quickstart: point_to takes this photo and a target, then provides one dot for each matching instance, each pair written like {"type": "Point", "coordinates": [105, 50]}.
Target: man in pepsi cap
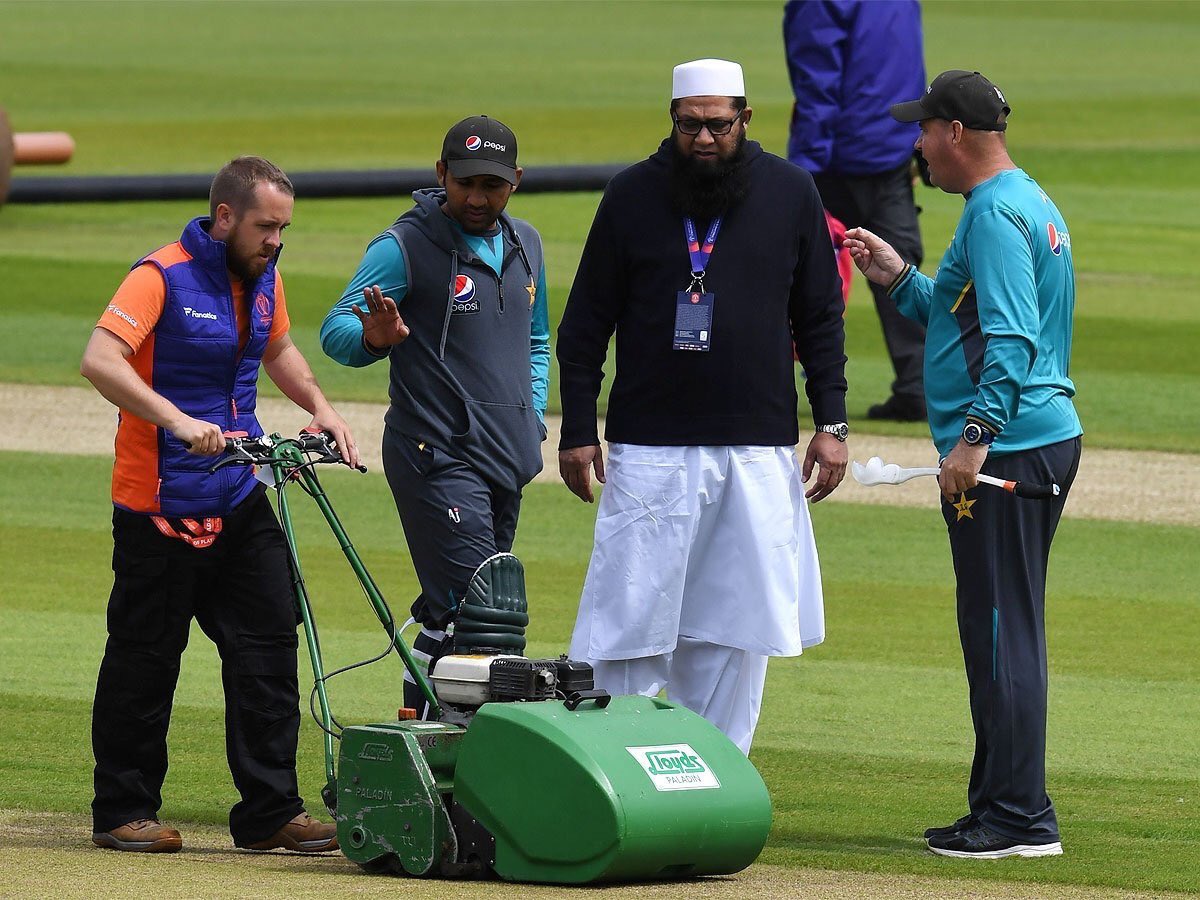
{"type": "Point", "coordinates": [998, 316]}
{"type": "Point", "coordinates": [455, 297]}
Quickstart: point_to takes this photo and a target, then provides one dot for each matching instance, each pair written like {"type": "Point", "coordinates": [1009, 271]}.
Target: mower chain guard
{"type": "Point", "coordinates": [494, 612]}
{"type": "Point", "coordinates": [391, 815]}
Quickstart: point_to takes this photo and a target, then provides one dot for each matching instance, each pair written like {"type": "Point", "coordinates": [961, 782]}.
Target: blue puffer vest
{"type": "Point", "coordinates": [197, 367]}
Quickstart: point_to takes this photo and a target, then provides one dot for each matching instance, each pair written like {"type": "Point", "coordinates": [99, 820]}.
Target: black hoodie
{"type": "Point", "coordinates": [775, 279]}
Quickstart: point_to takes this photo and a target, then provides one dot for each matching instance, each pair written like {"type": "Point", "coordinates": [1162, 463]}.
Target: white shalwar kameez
{"type": "Point", "coordinates": [704, 565]}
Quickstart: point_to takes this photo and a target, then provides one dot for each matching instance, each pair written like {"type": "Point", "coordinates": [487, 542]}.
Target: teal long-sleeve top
{"type": "Point", "coordinates": [998, 315]}
{"type": "Point", "coordinates": [383, 264]}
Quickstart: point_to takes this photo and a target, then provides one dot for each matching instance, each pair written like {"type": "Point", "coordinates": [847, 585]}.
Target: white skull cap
{"type": "Point", "coordinates": [707, 78]}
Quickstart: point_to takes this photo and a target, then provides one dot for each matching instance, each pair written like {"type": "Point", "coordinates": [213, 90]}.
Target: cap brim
{"type": "Point", "coordinates": [465, 168]}
{"type": "Point", "coordinates": [912, 111]}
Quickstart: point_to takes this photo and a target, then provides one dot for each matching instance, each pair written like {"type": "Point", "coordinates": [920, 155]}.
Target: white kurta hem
{"type": "Point", "coordinates": [711, 542]}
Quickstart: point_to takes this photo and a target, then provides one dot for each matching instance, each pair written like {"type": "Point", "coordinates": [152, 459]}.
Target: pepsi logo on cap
{"type": "Point", "coordinates": [464, 287]}
{"type": "Point", "coordinates": [474, 142]}
{"type": "Point", "coordinates": [1055, 243]}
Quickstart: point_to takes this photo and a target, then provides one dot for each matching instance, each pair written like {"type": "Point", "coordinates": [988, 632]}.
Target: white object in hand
{"type": "Point", "coordinates": [876, 471]}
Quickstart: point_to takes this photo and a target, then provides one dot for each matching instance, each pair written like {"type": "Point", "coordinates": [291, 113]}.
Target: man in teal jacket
{"type": "Point", "coordinates": [997, 353]}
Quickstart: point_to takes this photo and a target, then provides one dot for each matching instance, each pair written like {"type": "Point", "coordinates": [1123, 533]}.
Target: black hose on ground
{"type": "Point", "coordinates": [309, 185]}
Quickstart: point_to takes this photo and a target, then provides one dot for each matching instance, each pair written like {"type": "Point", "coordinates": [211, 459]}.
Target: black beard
{"type": "Point", "coordinates": [704, 190]}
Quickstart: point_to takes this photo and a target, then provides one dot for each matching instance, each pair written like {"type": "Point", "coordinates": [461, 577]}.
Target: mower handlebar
{"type": "Point", "coordinates": [264, 450]}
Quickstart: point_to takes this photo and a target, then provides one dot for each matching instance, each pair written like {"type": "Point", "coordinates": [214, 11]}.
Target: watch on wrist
{"type": "Point", "coordinates": [975, 434]}
{"type": "Point", "coordinates": [839, 430]}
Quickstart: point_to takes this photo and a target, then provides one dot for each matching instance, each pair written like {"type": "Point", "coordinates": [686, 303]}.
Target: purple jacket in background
{"type": "Point", "coordinates": [849, 61]}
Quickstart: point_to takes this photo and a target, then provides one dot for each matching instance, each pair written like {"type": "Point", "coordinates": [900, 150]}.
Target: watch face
{"type": "Point", "coordinates": [972, 433]}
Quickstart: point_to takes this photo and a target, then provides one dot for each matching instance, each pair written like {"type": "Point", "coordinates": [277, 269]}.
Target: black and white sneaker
{"type": "Point", "coordinates": [983, 843]}
{"type": "Point", "coordinates": [966, 823]}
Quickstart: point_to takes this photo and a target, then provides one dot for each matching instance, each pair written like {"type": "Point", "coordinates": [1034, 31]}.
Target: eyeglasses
{"type": "Point", "coordinates": [716, 127]}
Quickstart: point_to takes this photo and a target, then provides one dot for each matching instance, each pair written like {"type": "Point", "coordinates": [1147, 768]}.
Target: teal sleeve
{"type": "Point", "coordinates": [1000, 255]}
{"type": "Point", "coordinates": [341, 332]}
{"type": "Point", "coordinates": [913, 293]}
{"type": "Point", "coordinates": [539, 346]}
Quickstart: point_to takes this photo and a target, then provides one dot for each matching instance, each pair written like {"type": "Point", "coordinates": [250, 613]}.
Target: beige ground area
{"type": "Point", "coordinates": [50, 855]}
{"type": "Point", "coordinates": [1120, 485]}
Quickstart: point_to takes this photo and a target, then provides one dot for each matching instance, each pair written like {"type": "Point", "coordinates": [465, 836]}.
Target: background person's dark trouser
{"type": "Point", "coordinates": [1001, 546]}
{"type": "Point", "coordinates": [884, 205]}
{"type": "Point", "coordinates": [239, 591]}
{"type": "Point", "coordinates": [453, 520]}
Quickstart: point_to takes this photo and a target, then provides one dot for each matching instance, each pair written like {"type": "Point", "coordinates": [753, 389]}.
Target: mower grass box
{"type": "Point", "coordinates": [639, 789]}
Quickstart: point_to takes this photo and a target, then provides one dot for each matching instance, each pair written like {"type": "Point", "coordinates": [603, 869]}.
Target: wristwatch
{"type": "Point", "coordinates": [975, 434]}
{"type": "Point", "coordinates": [839, 430]}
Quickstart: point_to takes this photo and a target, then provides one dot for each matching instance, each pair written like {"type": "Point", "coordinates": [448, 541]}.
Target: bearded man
{"type": "Point", "coordinates": [178, 349]}
{"type": "Point", "coordinates": [707, 260]}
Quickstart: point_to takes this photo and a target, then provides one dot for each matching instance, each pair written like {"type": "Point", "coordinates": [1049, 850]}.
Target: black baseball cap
{"type": "Point", "coordinates": [481, 146]}
{"type": "Point", "coordinates": [966, 96]}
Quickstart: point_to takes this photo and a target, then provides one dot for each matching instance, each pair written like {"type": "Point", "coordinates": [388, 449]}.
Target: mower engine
{"type": "Point", "coordinates": [467, 681]}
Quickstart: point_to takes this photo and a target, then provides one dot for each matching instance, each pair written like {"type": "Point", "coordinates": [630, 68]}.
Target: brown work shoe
{"type": "Point", "coordinates": [304, 834]}
{"type": "Point", "coordinates": [140, 836]}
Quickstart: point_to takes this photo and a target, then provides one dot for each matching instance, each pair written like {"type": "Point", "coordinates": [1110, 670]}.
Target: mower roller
{"type": "Point", "coordinates": [523, 771]}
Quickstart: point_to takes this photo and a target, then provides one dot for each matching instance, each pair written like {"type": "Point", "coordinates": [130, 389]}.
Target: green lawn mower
{"type": "Point", "coordinates": [522, 771]}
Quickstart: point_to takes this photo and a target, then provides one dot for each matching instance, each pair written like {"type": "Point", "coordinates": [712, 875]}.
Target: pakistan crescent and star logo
{"type": "Point", "coordinates": [964, 507]}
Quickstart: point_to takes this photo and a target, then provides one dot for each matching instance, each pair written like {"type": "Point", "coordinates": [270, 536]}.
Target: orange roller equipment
{"type": "Point", "coordinates": [29, 148]}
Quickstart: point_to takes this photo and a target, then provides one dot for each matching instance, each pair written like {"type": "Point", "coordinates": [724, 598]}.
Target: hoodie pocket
{"type": "Point", "coordinates": [505, 436]}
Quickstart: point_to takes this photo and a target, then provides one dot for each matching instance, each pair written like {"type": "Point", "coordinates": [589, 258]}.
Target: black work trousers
{"type": "Point", "coordinates": [1001, 548]}
{"type": "Point", "coordinates": [884, 204]}
{"type": "Point", "coordinates": [239, 591]}
{"type": "Point", "coordinates": [453, 520]}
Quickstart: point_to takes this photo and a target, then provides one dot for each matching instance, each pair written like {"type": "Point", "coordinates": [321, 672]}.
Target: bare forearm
{"type": "Point", "coordinates": [291, 373]}
{"type": "Point", "coordinates": [112, 375]}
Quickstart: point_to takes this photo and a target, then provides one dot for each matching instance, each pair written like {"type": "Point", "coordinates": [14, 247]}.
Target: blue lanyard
{"type": "Point", "coordinates": [699, 253]}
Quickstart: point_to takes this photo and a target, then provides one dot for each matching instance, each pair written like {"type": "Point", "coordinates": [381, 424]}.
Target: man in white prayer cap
{"type": "Point", "coordinates": [708, 260]}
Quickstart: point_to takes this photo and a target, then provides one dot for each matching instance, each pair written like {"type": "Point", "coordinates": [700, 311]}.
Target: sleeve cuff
{"type": "Point", "coordinates": [900, 279]}
{"type": "Point", "coordinates": [370, 349]}
{"type": "Point", "coordinates": [984, 423]}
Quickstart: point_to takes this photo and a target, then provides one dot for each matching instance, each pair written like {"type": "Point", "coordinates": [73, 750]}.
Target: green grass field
{"type": "Point", "coordinates": [865, 740]}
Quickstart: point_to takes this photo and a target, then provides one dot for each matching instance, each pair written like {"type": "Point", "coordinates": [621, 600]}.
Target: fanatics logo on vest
{"type": "Point", "coordinates": [196, 314]}
{"type": "Point", "coordinates": [464, 295]}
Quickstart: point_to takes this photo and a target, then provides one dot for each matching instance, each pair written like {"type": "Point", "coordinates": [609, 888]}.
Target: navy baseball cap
{"type": "Point", "coordinates": [958, 95]}
{"type": "Point", "coordinates": [481, 146]}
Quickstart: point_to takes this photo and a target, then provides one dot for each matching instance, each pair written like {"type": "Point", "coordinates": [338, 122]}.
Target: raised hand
{"type": "Point", "coordinates": [874, 256]}
{"type": "Point", "coordinates": [382, 325]}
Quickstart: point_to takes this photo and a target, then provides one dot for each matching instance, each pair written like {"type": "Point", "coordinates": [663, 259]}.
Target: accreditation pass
{"type": "Point", "coordinates": [693, 320]}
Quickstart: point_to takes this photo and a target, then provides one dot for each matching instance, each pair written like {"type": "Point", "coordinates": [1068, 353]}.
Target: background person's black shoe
{"type": "Point", "coordinates": [898, 409]}
{"type": "Point", "coordinates": [983, 843]}
{"type": "Point", "coordinates": [966, 823]}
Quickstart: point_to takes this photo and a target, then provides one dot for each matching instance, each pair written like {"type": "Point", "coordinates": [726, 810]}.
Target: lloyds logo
{"type": "Point", "coordinates": [674, 763]}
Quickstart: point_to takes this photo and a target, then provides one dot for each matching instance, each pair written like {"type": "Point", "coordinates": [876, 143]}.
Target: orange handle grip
{"type": "Point", "coordinates": [42, 148]}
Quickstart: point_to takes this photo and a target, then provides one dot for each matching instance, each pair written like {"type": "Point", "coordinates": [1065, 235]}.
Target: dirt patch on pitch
{"type": "Point", "coordinates": [1118, 485]}
{"type": "Point", "coordinates": [50, 855]}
